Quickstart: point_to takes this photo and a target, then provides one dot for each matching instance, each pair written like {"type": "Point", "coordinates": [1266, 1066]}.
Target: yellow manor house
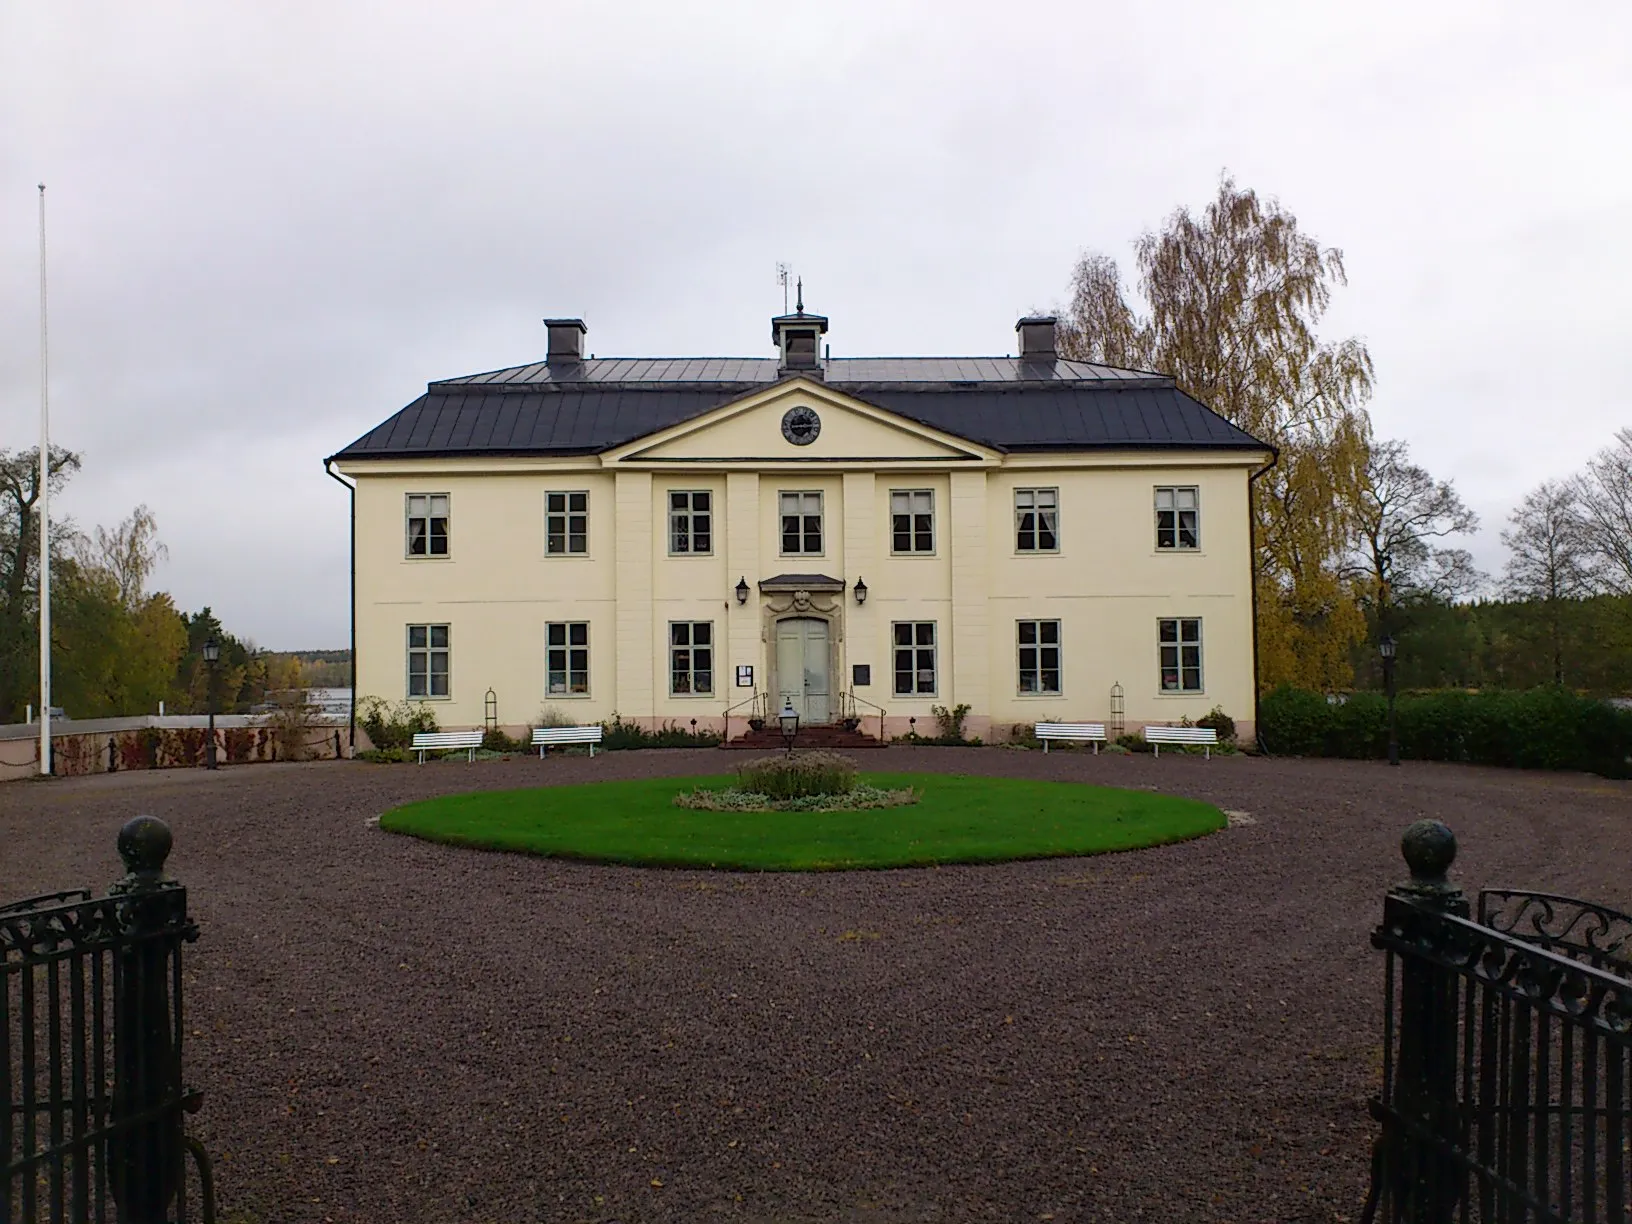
{"type": "Point", "coordinates": [867, 538]}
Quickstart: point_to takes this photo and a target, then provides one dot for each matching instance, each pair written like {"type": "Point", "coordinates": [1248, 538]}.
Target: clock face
{"type": "Point", "coordinates": [801, 425]}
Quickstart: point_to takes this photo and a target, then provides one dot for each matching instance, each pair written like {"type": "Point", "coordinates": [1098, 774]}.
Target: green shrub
{"type": "Point", "coordinates": [618, 734]}
{"type": "Point", "coordinates": [1222, 724]}
{"type": "Point", "coordinates": [393, 724]}
{"type": "Point", "coordinates": [387, 756]}
{"type": "Point", "coordinates": [1024, 735]}
{"type": "Point", "coordinates": [797, 775]}
{"type": "Point", "coordinates": [1545, 728]}
{"type": "Point", "coordinates": [497, 741]}
{"type": "Point", "coordinates": [950, 721]}
{"type": "Point", "coordinates": [1133, 741]}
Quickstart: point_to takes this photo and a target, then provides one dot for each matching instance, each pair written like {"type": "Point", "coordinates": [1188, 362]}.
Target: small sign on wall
{"type": "Point", "coordinates": [745, 675]}
{"type": "Point", "coordinates": [861, 675]}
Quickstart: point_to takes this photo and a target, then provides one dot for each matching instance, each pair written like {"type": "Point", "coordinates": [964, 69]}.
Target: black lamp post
{"type": "Point", "coordinates": [212, 656]}
{"type": "Point", "coordinates": [789, 718]}
{"type": "Point", "coordinates": [1386, 648]}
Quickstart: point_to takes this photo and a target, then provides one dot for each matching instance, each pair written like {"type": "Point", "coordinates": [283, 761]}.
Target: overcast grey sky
{"type": "Point", "coordinates": [271, 225]}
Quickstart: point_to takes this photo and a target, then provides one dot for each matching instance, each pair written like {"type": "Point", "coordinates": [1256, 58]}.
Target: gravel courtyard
{"type": "Point", "coordinates": [388, 1030]}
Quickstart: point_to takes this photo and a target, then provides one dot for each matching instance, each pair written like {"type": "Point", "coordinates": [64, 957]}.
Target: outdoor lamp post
{"type": "Point", "coordinates": [789, 719]}
{"type": "Point", "coordinates": [212, 656]}
{"type": "Point", "coordinates": [1386, 648]}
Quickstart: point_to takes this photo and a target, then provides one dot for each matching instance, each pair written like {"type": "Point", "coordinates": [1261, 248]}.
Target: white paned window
{"type": "Point", "coordinates": [430, 655]}
{"type": "Point", "coordinates": [1181, 654]}
{"type": "Point", "coordinates": [566, 658]}
{"type": "Point", "coordinates": [1037, 520]}
{"type": "Point", "coordinates": [912, 521]}
{"type": "Point", "coordinates": [566, 524]}
{"type": "Point", "coordinates": [691, 658]}
{"type": "Point", "coordinates": [691, 522]}
{"type": "Point", "coordinates": [427, 524]}
{"type": "Point", "coordinates": [1178, 517]}
{"type": "Point", "coordinates": [914, 658]}
{"type": "Point", "coordinates": [801, 524]}
{"type": "Point", "coordinates": [1039, 644]}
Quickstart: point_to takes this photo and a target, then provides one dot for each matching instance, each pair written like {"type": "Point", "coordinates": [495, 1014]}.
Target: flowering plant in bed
{"type": "Point", "coordinates": [796, 782]}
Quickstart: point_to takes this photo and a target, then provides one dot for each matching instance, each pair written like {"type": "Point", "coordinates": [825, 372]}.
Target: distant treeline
{"type": "Point", "coordinates": [1508, 644]}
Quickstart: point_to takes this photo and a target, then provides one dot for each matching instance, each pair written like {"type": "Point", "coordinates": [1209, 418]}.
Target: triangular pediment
{"type": "Point", "coordinates": [773, 426]}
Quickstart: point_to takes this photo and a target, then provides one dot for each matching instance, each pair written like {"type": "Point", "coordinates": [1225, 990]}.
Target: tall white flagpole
{"type": "Point", "coordinates": [45, 517]}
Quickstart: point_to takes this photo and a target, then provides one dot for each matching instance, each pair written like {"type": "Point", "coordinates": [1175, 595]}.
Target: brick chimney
{"type": "Point", "coordinates": [566, 341]}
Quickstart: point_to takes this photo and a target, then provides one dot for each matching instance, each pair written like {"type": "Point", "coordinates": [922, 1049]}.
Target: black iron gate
{"type": "Point", "coordinates": [1507, 1053]}
{"type": "Point", "coordinates": [90, 1050]}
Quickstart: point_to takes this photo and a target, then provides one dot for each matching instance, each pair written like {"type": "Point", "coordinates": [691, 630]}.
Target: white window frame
{"type": "Point", "coordinates": [691, 647]}
{"type": "Point", "coordinates": [567, 647]}
{"type": "Point", "coordinates": [917, 649]}
{"type": "Point", "coordinates": [804, 522]}
{"type": "Point", "coordinates": [1037, 646]}
{"type": "Point", "coordinates": [1177, 646]}
{"type": "Point", "coordinates": [429, 517]}
{"type": "Point", "coordinates": [1175, 495]}
{"type": "Point", "coordinates": [565, 515]}
{"type": "Point", "coordinates": [683, 519]}
{"type": "Point", "coordinates": [1036, 511]}
{"type": "Point", "coordinates": [916, 547]}
{"type": "Point", "coordinates": [425, 652]}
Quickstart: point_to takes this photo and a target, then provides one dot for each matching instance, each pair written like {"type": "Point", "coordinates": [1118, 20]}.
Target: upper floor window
{"type": "Point", "coordinates": [1178, 517]}
{"type": "Point", "coordinates": [1181, 654]}
{"type": "Point", "coordinates": [1037, 520]}
{"type": "Point", "coordinates": [427, 524]}
{"type": "Point", "coordinates": [912, 521]}
{"type": "Point", "coordinates": [691, 522]}
{"type": "Point", "coordinates": [430, 655]}
{"type": "Point", "coordinates": [566, 523]}
{"type": "Point", "coordinates": [1039, 642]}
{"type": "Point", "coordinates": [691, 658]}
{"type": "Point", "coordinates": [801, 523]}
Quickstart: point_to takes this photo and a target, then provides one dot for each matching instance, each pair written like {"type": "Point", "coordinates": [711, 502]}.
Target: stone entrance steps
{"type": "Point", "coordinates": [835, 739]}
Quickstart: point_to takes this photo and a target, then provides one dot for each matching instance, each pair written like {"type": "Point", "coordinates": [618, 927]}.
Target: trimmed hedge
{"type": "Point", "coordinates": [1544, 728]}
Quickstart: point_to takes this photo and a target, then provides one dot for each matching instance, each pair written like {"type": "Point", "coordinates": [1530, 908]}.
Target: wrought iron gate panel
{"type": "Point", "coordinates": [90, 1049]}
{"type": "Point", "coordinates": [1507, 1053]}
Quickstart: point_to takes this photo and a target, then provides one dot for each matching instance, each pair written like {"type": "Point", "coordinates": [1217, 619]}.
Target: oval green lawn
{"type": "Point", "coordinates": [961, 819]}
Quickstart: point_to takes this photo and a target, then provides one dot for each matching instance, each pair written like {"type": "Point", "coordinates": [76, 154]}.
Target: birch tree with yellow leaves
{"type": "Point", "coordinates": [1231, 300]}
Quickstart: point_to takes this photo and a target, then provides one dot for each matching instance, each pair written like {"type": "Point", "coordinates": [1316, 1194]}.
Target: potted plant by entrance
{"type": "Point", "coordinates": [851, 723]}
{"type": "Point", "coordinates": [756, 724]}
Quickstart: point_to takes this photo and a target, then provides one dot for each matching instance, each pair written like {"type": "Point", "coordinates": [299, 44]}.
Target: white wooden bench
{"type": "Point", "coordinates": [543, 737]}
{"type": "Point", "coordinates": [1083, 733]}
{"type": "Point", "coordinates": [433, 741]}
{"type": "Point", "coordinates": [1205, 736]}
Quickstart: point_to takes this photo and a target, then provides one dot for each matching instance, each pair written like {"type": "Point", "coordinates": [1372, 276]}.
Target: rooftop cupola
{"type": "Point", "coordinates": [799, 337]}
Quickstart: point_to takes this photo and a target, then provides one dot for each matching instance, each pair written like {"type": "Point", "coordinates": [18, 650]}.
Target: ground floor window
{"type": "Point", "coordinates": [566, 658]}
{"type": "Point", "coordinates": [914, 658]}
{"type": "Point", "coordinates": [429, 661]}
{"type": "Point", "coordinates": [1039, 642]}
{"type": "Point", "coordinates": [691, 657]}
{"type": "Point", "coordinates": [1181, 654]}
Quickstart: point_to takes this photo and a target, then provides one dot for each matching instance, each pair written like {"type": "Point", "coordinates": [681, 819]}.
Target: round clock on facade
{"type": "Point", "coordinates": [801, 425]}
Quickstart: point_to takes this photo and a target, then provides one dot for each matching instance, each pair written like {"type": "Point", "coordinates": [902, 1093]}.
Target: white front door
{"type": "Point", "coordinates": [802, 669]}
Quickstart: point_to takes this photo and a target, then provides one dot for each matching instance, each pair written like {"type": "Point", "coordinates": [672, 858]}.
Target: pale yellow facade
{"type": "Point", "coordinates": [1107, 583]}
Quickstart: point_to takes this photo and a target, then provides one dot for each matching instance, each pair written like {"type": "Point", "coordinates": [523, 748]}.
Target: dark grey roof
{"type": "Point", "coordinates": [1005, 403]}
{"type": "Point", "coordinates": [839, 370]}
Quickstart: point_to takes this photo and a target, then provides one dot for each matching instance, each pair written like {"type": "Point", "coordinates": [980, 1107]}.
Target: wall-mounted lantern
{"type": "Point", "coordinates": [861, 591]}
{"type": "Point", "coordinates": [742, 589]}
